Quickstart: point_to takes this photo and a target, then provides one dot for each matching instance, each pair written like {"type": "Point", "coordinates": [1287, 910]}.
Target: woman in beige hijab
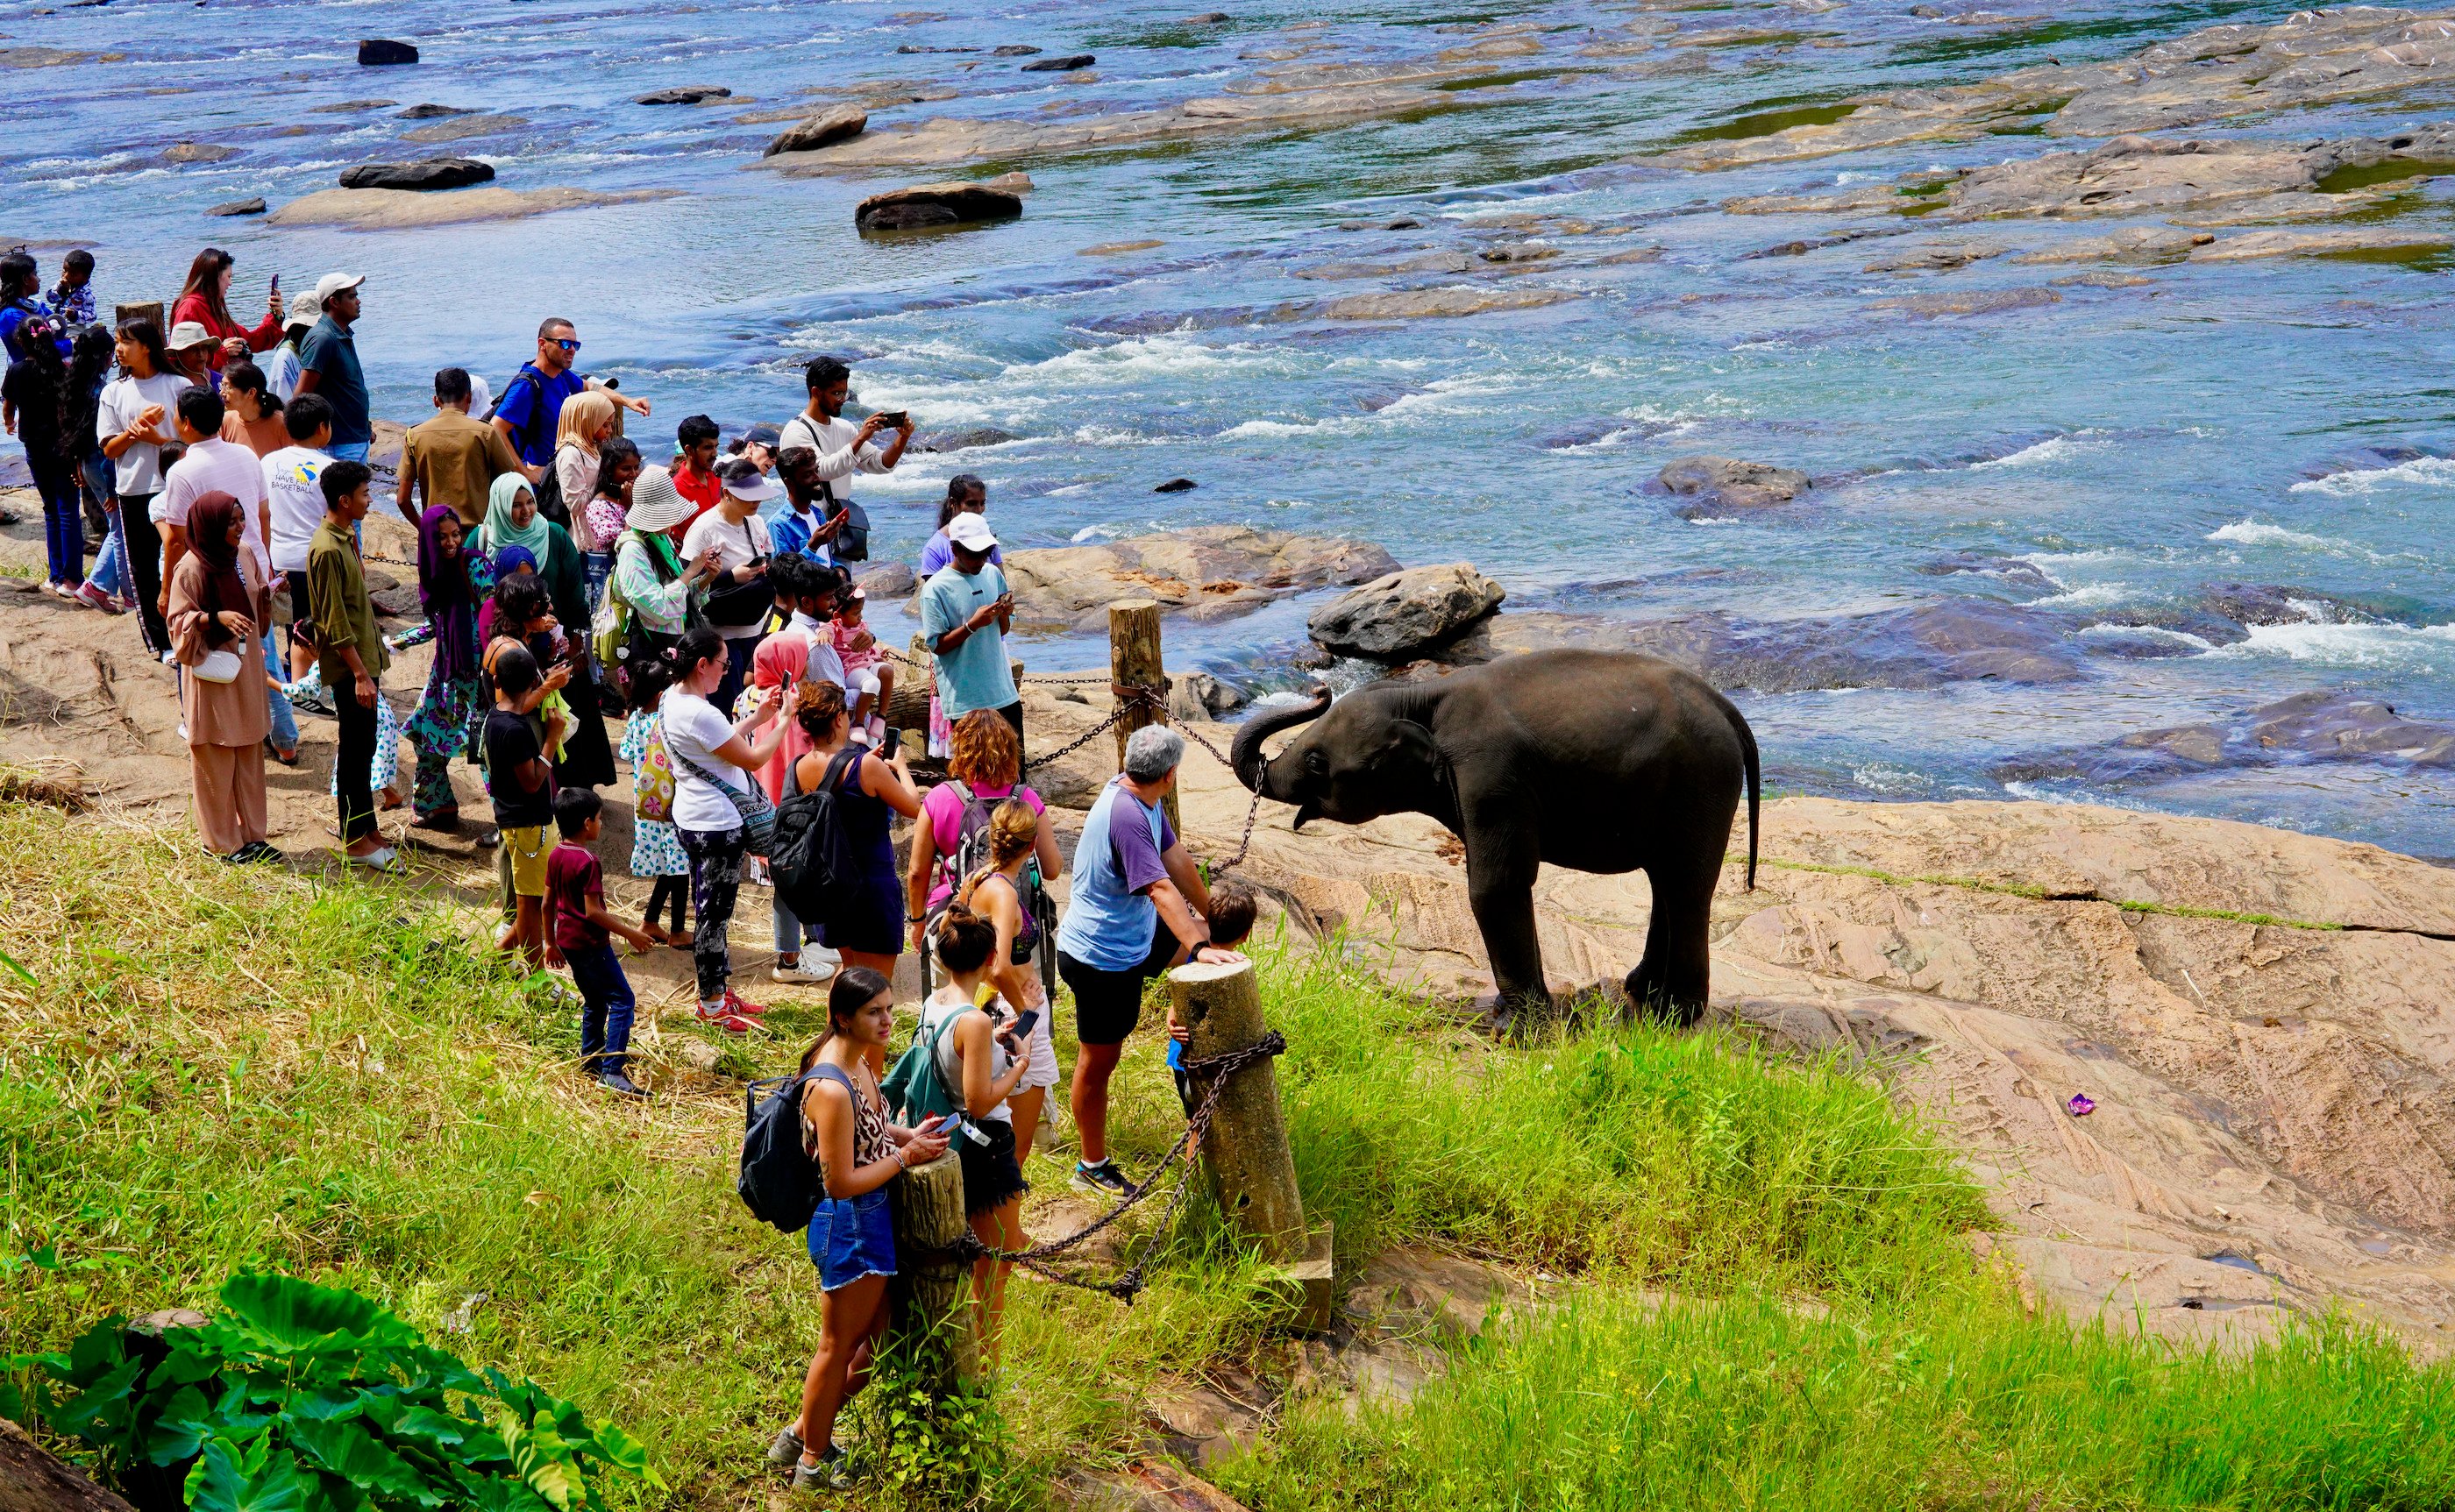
{"type": "Point", "coordinates": [218, 610]}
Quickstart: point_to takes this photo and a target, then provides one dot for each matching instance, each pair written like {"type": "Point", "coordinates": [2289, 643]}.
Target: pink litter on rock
{"type": "Point", "coordinates": [2080, 1106]}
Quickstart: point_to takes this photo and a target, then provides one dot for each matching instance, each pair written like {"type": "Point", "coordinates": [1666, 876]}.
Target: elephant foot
{"type": "Point", "coordinates": [1657, 1007]}
{"type": "Point", "coordinates": [1518, 1018]}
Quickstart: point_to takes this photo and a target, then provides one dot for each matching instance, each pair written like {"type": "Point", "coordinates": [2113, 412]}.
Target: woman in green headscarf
{"type": "Point", "coordinates": [512, 519]}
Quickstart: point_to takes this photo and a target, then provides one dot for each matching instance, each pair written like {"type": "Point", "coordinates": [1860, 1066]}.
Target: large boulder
{"type": "Point", "coordinates": [1064, 65]}
{"type": "Point", "coordinates": [686, 95]}
{"type": "Point", "coordinates": [380, 52]}
{"type": "Point", "coordinates": [924, 205]}
{"type": "Point", "coordinates": [1729, 483]}
{"type": "Point", "coordinates": [1394, 617]}
{"type": "Point", "coordinates": [426, 174]}
{"type": "Point", "coordinates": [892, 579]}
{"type": "Point", "coordinates": [824, 130]}
{"type": "Point", "coordinates": [1209, 571]}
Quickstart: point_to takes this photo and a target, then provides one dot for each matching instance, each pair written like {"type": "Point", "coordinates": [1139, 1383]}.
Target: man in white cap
{"type": "Point", "coordinates": [327, 361]}
{"type": "Point", "coordinates": [281, 365]}
{"type": "Point", "coordinates": [966, 611]}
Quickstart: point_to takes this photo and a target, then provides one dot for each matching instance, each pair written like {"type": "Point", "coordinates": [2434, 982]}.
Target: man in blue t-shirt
{"type": "Point", "coordinates": [1131, 875]}
{"type": "Point", "coordinates": [328, 362]}
{"type": "Point", "coordinates": [966, 611]}
{"type": "Point", "coordinates": [531, 406]}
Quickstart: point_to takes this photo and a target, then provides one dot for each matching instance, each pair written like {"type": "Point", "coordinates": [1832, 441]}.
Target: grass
{"type": "Point", "coordinates": [205, 1069]}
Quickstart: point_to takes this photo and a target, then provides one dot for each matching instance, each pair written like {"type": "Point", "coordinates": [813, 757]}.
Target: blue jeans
{"type": "Point", "coordinates": [605, 1022]}
{"type": "Point", "coordinates": [354, 451]}
{"type": "Point", "coordinates": [285, 724]}
{"type": "Point", "coordinates": [111, 569]}
{"type": "Point", "coordinates": [63, 520]}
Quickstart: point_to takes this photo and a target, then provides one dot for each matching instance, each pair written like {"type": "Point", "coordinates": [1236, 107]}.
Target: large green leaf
{"type": "Point", "coordinates": [225, 1481]}
{"type": "Point", "coordinates": [181, 1430]}
{"type": "Point", "coordinates": [101, 1411]}
{"type": "Point", "coordinates": [97, 1352]}
{"type": "Point", "coordinates": [489, 1494]}
{"type": "Point", "coordinates": [349, 1452]}
{"type": "Point", "coordinates": [430, 1425]}
{"type": "Point", "coordinates": [544, 1459]}
{"type": "Point", "coordinates": [625, 1453]}
{"type": "Point", "coordinates": [294, 1316]}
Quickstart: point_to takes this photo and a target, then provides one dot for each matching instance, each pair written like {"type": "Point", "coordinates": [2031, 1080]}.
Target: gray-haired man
{"type": "Point", "coordinates": [1131, 875]}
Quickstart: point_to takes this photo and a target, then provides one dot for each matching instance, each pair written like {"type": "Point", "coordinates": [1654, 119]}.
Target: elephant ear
{"type": "Point", "coordinates": [1407, 750]}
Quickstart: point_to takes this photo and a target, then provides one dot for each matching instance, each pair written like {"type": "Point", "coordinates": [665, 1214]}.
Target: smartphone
{"type": "Point", "coordinates": [1025, 1022]}
{"type": "Point", "coordinates": [276, 283]}
{"type": "Point", "coordinates": [893, 419]}
{"type": "Point", "coordinates": [893, 742]}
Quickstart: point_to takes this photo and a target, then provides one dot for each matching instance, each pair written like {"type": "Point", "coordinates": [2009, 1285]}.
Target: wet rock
{"type": "Point", "coordinates": [1394, 618]}
{"type": "Point", "coordinates": [1209, 571]}
{"type": "Point", "coordinates": [1064, 65]}
{"type": "Point", "coordinates": [2350, 241]}
{"type": "Point", "coordinates": [1441, 304]}
{"type": "Point", "coordinates": [685, 95]}
{"type": "Point", "coordinates": [238, 207]}
{"type": "Point", "coordinates": [392, 209]}
{"type": "Point", "coordinates": [1208, 18]}
{"type": "Point", "coordinates": [1394, 223]}
{"type": "Point", "coordinates": [1968, 302]}
{"type": "Point", "coordinates": [423, 176]}
{"type": "Point", "coordinates": [462, 127]}
{"type": "Point", "coordinates": [1722, 483]}
{"type": "Point", "coordinates": [2130, 244]}
{"type": "Point", "coordinates": [199, 152]}
{"type": "Point", "coordinates": [1198, 696]}
{"type": "Point", "coordinates": [1939, 257]}
{"type": "Point", "coordinates": [2274, 604]}
{"type": "Point", "coordinates": [840, 123]}
{"type": "Point", "coordinates": [380, 53]}
{"type": "Point", "coordinates": [1439, 262]}
{"type": "Point", "coordinates": [1523, 251]}
{"type": "Point", "coordinates": [419, 113]}
{"type": "Point", "coordinates": [962, 440]}
{"type": "Point", "coordinates": [2324, 725]}
{"type": "Point", "coordinates": [350, 107]}
{"type": "Point", "coordinates": [888, 581]}
{"type": "Point", "coordinates": [1177, 485]}
{"type": "Point", "coordinates": [1013, 50]}
{"type": "Point", "coordinates": [2009, 570]}
{"type": "Point", "coordinates": [923, 205]}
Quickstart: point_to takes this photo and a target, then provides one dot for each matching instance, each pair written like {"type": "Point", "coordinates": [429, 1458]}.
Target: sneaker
{"type": "Point", "coordinates": [716, 1018]}
{"type": "Point", "coordinates": [786, 1450]}
{"type": "Point", "coordinates": [254, 851]}
{"type": "Point", "coordinates": [827, 1475]}
{"type": "Point", "coordinates": [383, 858]}
{"type": "Point", "coordinates": [804, 970]}
{"type": "Point", "coordinates": [617, 1081]}
{"type": "Point", "coordinates": [1103, 1179]}
{"type": "Point", "coordinates": [742, 1007]}
{"type": "Point", "coordinates": [820, 954]}
{"type": "Point", "coordinates": [93, 598]}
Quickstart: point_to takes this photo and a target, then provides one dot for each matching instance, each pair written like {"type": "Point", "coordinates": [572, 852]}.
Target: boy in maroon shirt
{"type": "Point", "coordinates": [580, 931]}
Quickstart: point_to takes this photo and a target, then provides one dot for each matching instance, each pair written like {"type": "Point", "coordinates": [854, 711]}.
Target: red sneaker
{"type": "Point", "coordinates": [739, 1006]}
{"type": "Point", "coordinates": [725, 1021]}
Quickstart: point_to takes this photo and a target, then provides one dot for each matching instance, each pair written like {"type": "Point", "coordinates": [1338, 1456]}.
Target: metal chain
{"type": "Point", "coordinates": [1147, 698]}
{"type": "Point", "coordinates": [1216, 1069]}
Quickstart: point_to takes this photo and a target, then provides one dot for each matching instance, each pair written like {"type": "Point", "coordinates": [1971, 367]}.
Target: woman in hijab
{"type": "Point", "coordinates": [513, 522]}
{"type": "Point", "coordinates": [216, 616]}
{"type": "Point", "coordinates": [450, 582]}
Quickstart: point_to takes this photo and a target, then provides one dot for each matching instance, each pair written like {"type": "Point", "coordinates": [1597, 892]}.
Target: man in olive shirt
{"type": "Point", "coordinates": [351, 650]}
{"type": "Point", "coordinates": [452, 460]}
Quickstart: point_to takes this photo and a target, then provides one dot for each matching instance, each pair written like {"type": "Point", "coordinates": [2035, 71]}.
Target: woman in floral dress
{"type": "Point", "coordinates": [451, 581]}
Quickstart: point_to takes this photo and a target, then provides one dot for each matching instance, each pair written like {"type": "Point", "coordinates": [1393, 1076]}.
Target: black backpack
{"type": "Point", "coordinates": [810, 858]}
{"type": "Point", "coordinates": [779, 1182]}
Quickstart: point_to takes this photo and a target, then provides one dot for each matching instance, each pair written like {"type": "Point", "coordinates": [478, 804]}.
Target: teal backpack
{"type": "Point", "coordinates": [915, 1088]}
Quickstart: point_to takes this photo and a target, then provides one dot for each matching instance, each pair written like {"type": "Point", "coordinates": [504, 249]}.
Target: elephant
{"type": "Point", "coordinates": [1599, 761]}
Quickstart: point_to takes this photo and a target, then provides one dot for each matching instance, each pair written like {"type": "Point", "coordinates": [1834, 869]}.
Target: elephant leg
{"type": "Point", "coordinates": [1673, 979]}
{"type": "Point", "coordinates": [1501, 865]}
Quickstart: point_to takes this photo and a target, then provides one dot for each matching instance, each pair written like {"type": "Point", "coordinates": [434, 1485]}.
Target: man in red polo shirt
{"type": "Point", "coordinates": [695, 464]}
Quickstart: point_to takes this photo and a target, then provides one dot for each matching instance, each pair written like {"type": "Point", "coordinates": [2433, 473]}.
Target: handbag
{"type": "Point", "coordinates": [750, 804]}
{"type": "Point", "coordinates": [218, 666]}
{"type": "Point", "coordinates": [743, 603]}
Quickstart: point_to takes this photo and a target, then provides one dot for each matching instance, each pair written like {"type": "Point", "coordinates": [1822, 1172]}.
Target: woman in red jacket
{"type": "Point", "coordinates": [206, 300]}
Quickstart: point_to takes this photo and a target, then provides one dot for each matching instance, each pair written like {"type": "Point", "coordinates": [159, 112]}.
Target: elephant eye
{"type": "Point", "coordinates": [1314, 764]}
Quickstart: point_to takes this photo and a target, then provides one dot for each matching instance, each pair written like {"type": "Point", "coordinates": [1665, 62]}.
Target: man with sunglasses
{"type": "Point", "coordinates": [531, 407]}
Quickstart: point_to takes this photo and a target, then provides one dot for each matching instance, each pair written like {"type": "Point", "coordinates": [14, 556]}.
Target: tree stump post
{"type": "Point", "coordinates": [932, 1291]}
{"type": "Point", "coordinates": [152, 310]}
{"type": "Point", "coordinates": [1134, 662]}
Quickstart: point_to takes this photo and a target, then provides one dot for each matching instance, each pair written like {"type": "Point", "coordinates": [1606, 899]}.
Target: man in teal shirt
{"type": "Point", "coordinates": [965, 611]}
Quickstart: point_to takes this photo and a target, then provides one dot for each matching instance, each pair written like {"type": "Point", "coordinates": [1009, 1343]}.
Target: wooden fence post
{"type": "Point", "coordinates": [150, 311]}
{"type": "Point", "coordinates": [930, 1285]}
{"type": "Point", "coordinates": [1134, 662]}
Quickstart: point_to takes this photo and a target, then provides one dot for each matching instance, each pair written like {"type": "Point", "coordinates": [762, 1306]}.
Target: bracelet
{"type": "Point", "coordinates": [900, 1163]}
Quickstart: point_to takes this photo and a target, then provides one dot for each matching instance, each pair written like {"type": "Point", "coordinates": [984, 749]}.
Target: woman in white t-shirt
{"type": "Point", "coordinates": [713, 757]}
{"type": "Point", "coordinates": [739, 596]}
{"type": "Point", "coordinates": [133, 423]}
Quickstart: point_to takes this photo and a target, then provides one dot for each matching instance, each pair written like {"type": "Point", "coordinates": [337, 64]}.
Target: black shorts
{"type": "Point", "coordinates": [1108, 1004]}
{"type": "Point", "coordinates": [302, 614]}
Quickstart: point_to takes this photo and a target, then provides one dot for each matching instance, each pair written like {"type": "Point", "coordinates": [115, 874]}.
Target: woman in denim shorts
{"type": "Point", "coordinates": [852, 1237]}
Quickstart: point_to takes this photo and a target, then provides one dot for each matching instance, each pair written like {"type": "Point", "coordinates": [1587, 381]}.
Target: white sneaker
{"type": "Point", "coordinates": [813, 949]}
{"type": "Point", "coordinates": [814, 973]}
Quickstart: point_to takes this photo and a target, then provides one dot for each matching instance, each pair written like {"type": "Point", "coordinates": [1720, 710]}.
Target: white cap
{"type": "Point", "coordinates": [332, 283]}
{"type": "Point", "coordinates": [188, 333]}
{"type": "Point", "coordinates": [971, 532]}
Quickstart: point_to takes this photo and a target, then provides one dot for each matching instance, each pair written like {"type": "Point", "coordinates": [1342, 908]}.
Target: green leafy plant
{"type": "Point", "coordinates": [300, 1398]}
{"type": "Point", "coordinates": [927, 1448]}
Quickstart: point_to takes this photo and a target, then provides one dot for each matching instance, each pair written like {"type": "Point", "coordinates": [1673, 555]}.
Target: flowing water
{"type": "Point", "coordinates": [2102, 454]}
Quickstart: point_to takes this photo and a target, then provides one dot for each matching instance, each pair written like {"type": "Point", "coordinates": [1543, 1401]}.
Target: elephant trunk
{"type": "Point", "coordinates": [1246, 754]}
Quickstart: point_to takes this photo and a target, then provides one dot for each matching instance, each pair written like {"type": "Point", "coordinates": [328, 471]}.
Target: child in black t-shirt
{"type": "Point", "coordinates": [581, 932]}
{"type": "Point", "coordinates": [521, 783]}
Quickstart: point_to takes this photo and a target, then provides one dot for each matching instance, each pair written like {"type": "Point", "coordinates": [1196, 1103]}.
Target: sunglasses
{"type": "Point", "coordinates": [567, 344]}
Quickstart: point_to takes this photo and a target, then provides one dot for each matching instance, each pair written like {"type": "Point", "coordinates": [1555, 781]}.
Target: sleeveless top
{"type": "Point", "coordinates": [869, 1141]}
{"type": "Point", "coordinates": [951, 1064]}
{"type": "Point", "coordinates": [1026, 935]}
{"type": "Point", "coordinates": [868, 820]}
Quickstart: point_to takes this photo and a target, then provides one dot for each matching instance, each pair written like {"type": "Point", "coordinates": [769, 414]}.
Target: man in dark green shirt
{"type": "Point", "coordinates": [351, 652]}
{"type": "Point", "coordinates": [329, 366]}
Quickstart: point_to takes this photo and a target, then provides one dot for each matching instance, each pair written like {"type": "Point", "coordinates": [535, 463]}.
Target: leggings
{"type": "Point", "coordinates": [142, 539]}
{"type": "Point", "coordinates": [716, 878]}
{"type": "Point", "coordinates": [676, 888]}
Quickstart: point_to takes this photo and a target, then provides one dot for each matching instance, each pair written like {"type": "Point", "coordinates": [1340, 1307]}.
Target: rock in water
{"type": "Point", "coordinates": [238, 207]}
{"type": "Point", "coordinates": [431, 112]}
{"type": "Point", "coordinates": [888, 581]}
{"type": "Point", "coordinates": [379, 52]}
{"type": "Point", "coordinates": [1731, 483]}
{"type": "Point", "coordinates": [824, 130]}
{"type": "Point", "coordinates": [924, 205]}
{"type": "Point", "coordinates": [199, 152]}
{"type": "Point", "coordinates": [426, 174]}
{"type": "Point", "coordinates": [1176, 485]}
{"type": "Point", "coordinates": [1393, 617]}
{"type": "Point", "coordinates": [1014, 50]}
{"type": "Point", "coordinates": [1198, 696]}
{"type": "Point", "coordinates": [685, 95]}
{"type": "Point", "coordinates": [1209, 571]}
{"type": "Point", "coordinates": [1064, 65]}
{"type": "Point", "coordinates": [962, 440]}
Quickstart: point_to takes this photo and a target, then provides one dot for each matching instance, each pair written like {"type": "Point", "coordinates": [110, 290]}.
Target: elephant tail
{"type": "Point", "coordinates": [1748, 752]}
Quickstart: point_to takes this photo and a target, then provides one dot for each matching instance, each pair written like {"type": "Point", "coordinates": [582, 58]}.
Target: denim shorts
{"type": "Point", "coordinates": [851, 1237]}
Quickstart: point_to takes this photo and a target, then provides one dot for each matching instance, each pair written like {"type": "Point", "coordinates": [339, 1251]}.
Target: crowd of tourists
{"type": "Point", "coordinates": [705, 598]}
